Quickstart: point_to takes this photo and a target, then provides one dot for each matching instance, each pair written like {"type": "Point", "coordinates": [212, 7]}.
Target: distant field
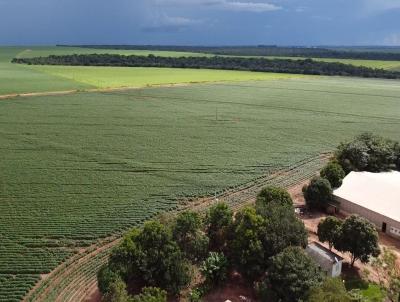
{"type": "Point", "coordinates": [16, 78]}
{"type": "Point", "coordinates": [111, 77]}
{"type": "Point", "coordinates": [391, 65]}
{"type": "Point", "coordinates": [79, 167]}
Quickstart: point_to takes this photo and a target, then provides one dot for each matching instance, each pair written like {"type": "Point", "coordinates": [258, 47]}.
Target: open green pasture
{"type": "Point", "coordinates": [76, 168]}
{"type": "Point", "coordinates": [15, 78]}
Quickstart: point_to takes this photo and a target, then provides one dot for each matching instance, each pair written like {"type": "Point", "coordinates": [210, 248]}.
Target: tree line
{"type": "Point", "coordinates": [262, 50]}
{"type": "Point", "coordinates": [307, 66]}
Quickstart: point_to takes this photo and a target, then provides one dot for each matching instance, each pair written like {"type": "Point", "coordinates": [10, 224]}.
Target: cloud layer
{"type": "Point", "coordinates": [206, 22]}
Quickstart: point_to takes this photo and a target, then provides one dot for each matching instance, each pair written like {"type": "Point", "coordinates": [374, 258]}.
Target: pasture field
{"type": "Point", "coordinates": [46, 51]}
{"type": "Point", "coordinates": [16, 78]}
{"type": "Point", "coordinates": [77, 168]}
{"type": "Point", "coordinates": [114, 77]}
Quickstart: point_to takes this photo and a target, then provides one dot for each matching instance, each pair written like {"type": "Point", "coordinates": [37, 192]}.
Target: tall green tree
{"type": "Point", "coordinates": [161, 261]}
{"type": "Point", "coordinates": [334, 173]}
{"type": "Point", "coordinates": [219, 219]}
{"type": "Point", "coordinates": [318, 193]}
{"type": "Point", "coordinates": [282, 228]}
{"type": "Point", "coordinates": [329, 230]}
{"type": "Point", "coordinates": [292, 274]}
{"type": "Point", "coordinates": [359, 237]}
{"type": "Point", "coordinates": [273, 194]}
{"type": "Point", "coordinates": [187, 232]}
{"type": "Point", "coordinates": [331, 290]}
{"type": "Point", "coordinates": [245, 247]}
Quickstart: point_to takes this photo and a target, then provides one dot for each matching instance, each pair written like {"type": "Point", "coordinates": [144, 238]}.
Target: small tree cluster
{"type": "Point", "coordinates": [355, 235]}
{"type": "Point", "coordinates": [368, 152]}
{"type": "Point", "coordinates": [158, 255]}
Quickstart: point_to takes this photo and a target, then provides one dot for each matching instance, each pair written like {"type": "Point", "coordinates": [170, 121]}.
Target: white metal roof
{"type": "Point", "coordinates": [379, 192]}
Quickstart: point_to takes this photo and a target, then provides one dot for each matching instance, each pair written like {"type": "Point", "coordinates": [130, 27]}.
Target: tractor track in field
{"type": "Point", "coordinates": [75, 279]}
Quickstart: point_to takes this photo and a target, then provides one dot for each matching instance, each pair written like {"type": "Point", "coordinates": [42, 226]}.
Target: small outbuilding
{"type": "Point", "coordinates": [374, 196]}
{"type": "Point", "coordinates": [329, 261]}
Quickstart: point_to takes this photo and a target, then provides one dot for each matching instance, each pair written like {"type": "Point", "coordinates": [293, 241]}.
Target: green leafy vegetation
{"type": "Point", "coordinates": [331, 290]}
{"type": "Point", "coordinates": [368, 152]}
{"type": "Point", "coordinates": [307, 66]}
{"type": "Point", "coordinates": [355, 235]}
{"type": "Point", "coordinates": [292, 274]}
{"type": "Point", "coordinates": [329, 230]}
{"type": "Point", "coordinates": [79, 168]}
{"type": "Point", "coordinates": [318, 193]}
{"type": "Point", "coordinates": [334, 173]}
{"type": "Point", "coordinates": [272, 194]}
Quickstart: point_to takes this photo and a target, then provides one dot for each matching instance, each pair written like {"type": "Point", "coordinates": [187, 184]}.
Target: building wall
{"type": "Point", "coordinates": [392, 226]}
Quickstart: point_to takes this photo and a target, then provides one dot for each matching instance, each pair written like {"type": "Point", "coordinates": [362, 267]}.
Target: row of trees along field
{"type": "Point", "coordinates": [264, 244]}
{"type": "Point", "coordinates": [307, 66]}
{"type": "Point", "coordinates": [264, 50]}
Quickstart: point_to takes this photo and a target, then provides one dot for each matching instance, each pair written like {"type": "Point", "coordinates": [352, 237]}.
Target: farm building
{"type": "Point", "coordinates": [329, 262]}
{"type": "Point", "coordinates": [374, 196]}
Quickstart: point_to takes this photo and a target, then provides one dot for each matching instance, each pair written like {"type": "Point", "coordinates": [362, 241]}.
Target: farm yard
{"type": "Point", "coordinates": [77, 170]}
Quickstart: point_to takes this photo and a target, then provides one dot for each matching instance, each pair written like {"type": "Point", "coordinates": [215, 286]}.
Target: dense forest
{"type": "Point", "coordinates": [269, 50]}
{"type": "Point", "coordinates": [307, 66]}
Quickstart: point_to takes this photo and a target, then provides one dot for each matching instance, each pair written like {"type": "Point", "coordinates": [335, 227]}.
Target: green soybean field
{"type": "Point", "coordinates": [76, 169]}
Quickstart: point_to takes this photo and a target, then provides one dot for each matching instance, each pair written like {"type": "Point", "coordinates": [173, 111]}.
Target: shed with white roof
{"type": "Point", "coordinates": [374, 196]}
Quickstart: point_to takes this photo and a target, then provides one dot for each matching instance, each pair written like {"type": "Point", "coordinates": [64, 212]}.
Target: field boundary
{"type": "Point", "coordinates": [75, 279]}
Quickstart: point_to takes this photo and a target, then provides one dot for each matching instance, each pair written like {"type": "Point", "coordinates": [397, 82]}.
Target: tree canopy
{"type": "Point", "coordinates": [318, 193]}
{"type": "Point", "coordinates": [296, 66]}
{"type": "Point", "coordinates": [359, 237]}
{"type": "Point", "coordinates": [219, 218]}
{"type": "Point", "coordinates": [282, 228]}
{"type": "Point", "coordinates": [292, 274]}
{"type": "Point", "coordinates": [245, 246]}
{"type": "Point", "coordinates": [273, 194]}
{"type": "Point", "coordinates": [187, 232]}
{"type": "Point", "coordinates": [367, 152]}
{"type": "Point", "coordinates": [334, 173]}
{"type": "Point", "coordinates": [329, 230]}
{"type": "Point", "coordinates": [331, 290]}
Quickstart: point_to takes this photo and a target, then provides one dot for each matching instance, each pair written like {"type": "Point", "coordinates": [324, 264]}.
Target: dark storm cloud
{"type": "Point", "coordinates": [300, 22]}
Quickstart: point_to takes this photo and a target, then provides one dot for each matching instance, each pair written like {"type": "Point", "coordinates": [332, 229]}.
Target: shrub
{"type": "Point", "coordinates": [105, 278]}
{"type": "Point", "coordinates": [151, 294]}
{"type": "Point", "coordinates": [331, 290]}
{"type": "Point", "coordinates": [214, 268]}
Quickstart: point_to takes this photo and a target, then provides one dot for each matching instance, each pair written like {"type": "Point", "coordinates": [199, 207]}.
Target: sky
{"type": "Point", "coordinates": [200, 22]}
